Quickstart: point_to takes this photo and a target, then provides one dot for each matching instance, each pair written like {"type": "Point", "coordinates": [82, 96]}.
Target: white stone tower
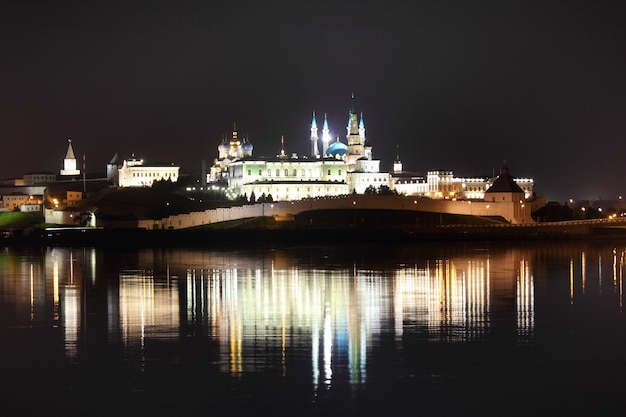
{"type": "Point", "coordinates": [69, 163]}
{"type": "Point", "coordinates": [314, 138]}
{"type": "Point", "coordinates": [355, 137]}
{"type": "Point", "coordinates": [325, 136]}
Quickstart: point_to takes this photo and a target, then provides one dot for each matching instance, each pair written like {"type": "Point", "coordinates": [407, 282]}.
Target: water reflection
{"type": "Point", "coordinates": [263, 309]}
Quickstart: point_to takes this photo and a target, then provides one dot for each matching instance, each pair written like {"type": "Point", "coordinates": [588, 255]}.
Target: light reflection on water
{"type": "Point", "coordinates": [317, 312]}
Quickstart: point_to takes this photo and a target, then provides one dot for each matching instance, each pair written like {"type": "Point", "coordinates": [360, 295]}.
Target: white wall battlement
{"type": "Point", "coordinates": [515, 213]}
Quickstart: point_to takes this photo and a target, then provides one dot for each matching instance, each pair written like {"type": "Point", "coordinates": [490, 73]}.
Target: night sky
{"type": "Point", "coordinates": [454, 85]}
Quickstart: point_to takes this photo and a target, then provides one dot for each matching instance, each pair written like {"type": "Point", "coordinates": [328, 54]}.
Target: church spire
{"type": "Point", "coordinates": [282, 147]}
{"type": "Point", "coordinates": [397, 164]}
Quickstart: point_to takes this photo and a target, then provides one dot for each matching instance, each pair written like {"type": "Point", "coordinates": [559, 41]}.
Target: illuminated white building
{"type": "Point", "coordinates": [444, 185]}
{"type": "Point", "coordinates": [135, 173]}
{"type": "Point", "coordinates": [341, 168]}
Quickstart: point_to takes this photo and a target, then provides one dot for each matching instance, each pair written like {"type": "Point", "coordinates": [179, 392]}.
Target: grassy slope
{"type": "Point", "coordinates": [19, 220]}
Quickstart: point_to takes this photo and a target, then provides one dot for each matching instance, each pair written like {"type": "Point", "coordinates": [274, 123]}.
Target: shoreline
{"type": "Point", "coordinates": [289, 234]}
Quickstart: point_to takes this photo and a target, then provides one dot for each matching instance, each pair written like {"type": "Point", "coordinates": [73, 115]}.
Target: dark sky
{"type": "Point", "coordinates": [456, 85]}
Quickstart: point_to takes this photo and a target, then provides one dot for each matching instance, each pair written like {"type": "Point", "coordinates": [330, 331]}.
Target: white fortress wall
{"type": "Point", "coordinates": [513, 212]}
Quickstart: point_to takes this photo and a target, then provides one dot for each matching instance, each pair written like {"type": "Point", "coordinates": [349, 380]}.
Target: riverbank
{"type": "Point", "coordinates": [289, 233]}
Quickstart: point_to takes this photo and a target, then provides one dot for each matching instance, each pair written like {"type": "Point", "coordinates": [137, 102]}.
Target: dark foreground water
{"type": "Point", "coordinates": [471, 329]}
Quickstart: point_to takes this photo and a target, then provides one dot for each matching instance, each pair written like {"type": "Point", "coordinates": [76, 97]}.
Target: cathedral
{"type": "Point", "coordinates": [339, 169]}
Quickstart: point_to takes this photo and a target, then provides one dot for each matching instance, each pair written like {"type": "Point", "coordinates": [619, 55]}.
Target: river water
{"type": "Point", "coordinates": [468, 329]}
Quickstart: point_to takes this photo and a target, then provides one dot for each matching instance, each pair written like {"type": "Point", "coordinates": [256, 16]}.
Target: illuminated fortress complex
{"type": "Point", "coordinates": [289, 185]}
{"type": "Point", "coordinates": [339, 169]}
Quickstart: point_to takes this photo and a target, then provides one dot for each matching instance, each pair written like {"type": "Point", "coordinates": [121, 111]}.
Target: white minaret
{"type": "Point", "coordinates": [362, 128]}
{"type": "Point", "coordinates": [314, 138]}
{"type": "Point", "coordinates": [325, 136]}
{"type": "Point", "coordinates": [69, 163]}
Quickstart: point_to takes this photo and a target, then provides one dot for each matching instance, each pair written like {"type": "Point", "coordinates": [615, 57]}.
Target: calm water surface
{"type": "Point", "coordinates": [427, 330]}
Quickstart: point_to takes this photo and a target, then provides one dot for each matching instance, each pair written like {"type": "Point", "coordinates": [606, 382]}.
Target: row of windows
{"type": "Point", "coordinates": [375, 179]}
{"type": "Point", "coordinates": [286, 172]}
{"type": "Point", "coordinates": [307, 190]}
{"type": "Point", "coordinates": [151, 174]}
{"type": "Point", "coordinates": [284, 194]}
{"type": "Point", "coordinates": [40, 177]}
{"type": "Point", "coordinates": [7, 198]}
{"type": "Point", "coordinates": [410, 182]}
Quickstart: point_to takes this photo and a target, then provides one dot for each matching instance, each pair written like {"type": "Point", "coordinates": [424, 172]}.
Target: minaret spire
{"type": "Point", "coordinates": [362, 127]}
{"type": "Point", "coordinates": [314, 138]}
{"type": "Point", "coordinates": [325, 135]}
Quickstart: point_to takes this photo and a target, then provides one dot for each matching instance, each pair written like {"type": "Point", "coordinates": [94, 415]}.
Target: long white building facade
{"type": "Point", "coordinates": [135, 173]}
{"type": "Point", "coordinates": [444, 185]}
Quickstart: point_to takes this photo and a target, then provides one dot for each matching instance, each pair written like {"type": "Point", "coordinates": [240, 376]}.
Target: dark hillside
{"type": "Point", "coordinates": [147, 202]}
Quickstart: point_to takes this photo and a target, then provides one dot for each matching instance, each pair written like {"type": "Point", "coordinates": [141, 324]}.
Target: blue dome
{"type": "Point", "coordinates": [337, 148]}
{"type": "Point", "coordinates": [224, 146]}
{"type": "Point", "coordinates": [247, 147]}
